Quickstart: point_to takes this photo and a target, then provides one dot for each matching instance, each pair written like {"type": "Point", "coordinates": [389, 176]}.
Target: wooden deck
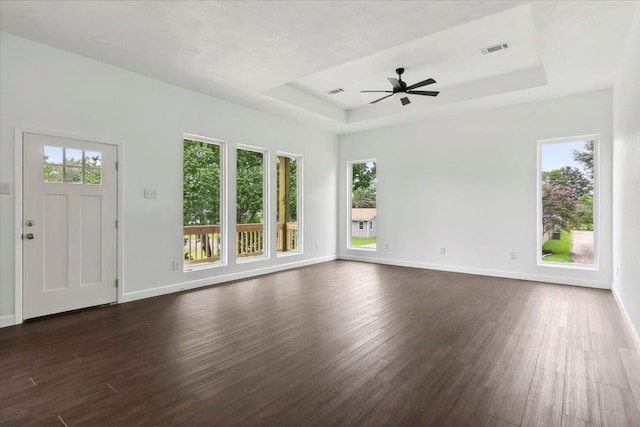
{"type": "Point", "coordinates": [339, 343]}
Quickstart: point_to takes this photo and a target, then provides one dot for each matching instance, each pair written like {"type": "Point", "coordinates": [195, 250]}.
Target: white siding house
{"type": "Point", "coordinates": [363, 222]}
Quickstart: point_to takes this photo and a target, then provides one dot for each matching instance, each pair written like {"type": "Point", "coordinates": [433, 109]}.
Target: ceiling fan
{"type": "Point", "coordinates": [401, 87]}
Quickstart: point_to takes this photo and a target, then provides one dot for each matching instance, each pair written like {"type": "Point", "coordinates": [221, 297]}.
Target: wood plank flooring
{"type": "Point", "coordinates": [334, 344]}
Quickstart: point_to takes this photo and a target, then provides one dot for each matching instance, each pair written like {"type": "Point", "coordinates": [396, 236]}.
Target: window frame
{"type": "Point", "coordinates": [596, 203]}
{"type": "Point", "coordinates": [349, 192]}
{"type": "Point", "coordinates": [266, 203]}
{"type": "Point", "coordinates": [224, 203]}
{"type": "Point", "coordinates": [299, 200]}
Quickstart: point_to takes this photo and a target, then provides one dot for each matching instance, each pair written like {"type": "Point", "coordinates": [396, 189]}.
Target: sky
{"type": "Point", "coordinates": [558, 155]}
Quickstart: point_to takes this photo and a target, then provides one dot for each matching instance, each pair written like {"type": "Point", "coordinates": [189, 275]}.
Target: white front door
{"type": "Point", "coordinates": [69, 224]}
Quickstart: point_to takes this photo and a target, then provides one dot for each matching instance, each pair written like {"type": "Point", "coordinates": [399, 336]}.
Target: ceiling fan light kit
{"type": "Point", "coordinates": [401, 88]}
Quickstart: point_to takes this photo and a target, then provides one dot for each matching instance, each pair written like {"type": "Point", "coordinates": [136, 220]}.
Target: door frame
{"type": "Point", "coordinates": [18, 203]}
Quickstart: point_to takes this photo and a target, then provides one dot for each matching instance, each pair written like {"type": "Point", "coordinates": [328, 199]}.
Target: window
{"type": "Point", "coordinates": [72, 166]}
{"type": "Point", "coordinates": [362, 199]}
{"type": "Point", "coordinates": [288, 197]}
{"type": "Point", "coordinates": [567, 189]}
{"type": "Point", "coordinates": [250, 203]}
{"type": "Point", "coordinates": [203, 208]}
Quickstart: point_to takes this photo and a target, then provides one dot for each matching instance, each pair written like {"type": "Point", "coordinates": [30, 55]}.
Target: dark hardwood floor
{"type": "Point", "coordinates": [339, 343]}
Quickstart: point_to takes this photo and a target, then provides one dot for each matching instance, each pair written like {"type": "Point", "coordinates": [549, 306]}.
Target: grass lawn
{"type": "Point", "coordinates": [361, 241]}
{"type": "Point", "coordinates": [561, 249]}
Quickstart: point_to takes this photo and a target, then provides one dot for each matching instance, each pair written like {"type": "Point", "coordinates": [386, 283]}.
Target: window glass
{"type": "Point", "coordinates": [287, 225]}
{"type": "Point", "coordinates": [202, 203]}
{"type": "Point", "coordinates": [250, 236]}
{"type": "Point", "coordinates": [567, 185]}
{"type": "Point", "coordinates": [363, 176]}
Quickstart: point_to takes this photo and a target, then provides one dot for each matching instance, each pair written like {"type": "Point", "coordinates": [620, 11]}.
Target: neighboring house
{"type": "Point", "coordinates": [363, 222]}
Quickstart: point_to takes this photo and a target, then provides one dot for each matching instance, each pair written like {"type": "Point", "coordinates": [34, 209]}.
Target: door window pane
{"type": "Point", "coordinates": [72, 157]}
{"type": "Point", "coordinates": [93, 159]}
{"type": "Point", "coordinates": [73, 175]}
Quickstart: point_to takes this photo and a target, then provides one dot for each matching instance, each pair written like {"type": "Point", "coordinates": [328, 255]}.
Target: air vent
{"type": "Point", "coordinates": [496, 47]}
{"type": "Point", "coordinates": [334, 91]}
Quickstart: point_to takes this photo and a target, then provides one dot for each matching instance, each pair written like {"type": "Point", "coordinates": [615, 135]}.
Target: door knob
{"type": "Point", "coordinates": [29, 223]}
{"type": "Point", "coordinates": [30, 236]}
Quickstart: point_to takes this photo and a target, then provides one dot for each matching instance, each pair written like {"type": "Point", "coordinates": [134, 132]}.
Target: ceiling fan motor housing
{"type": "Point", "coordinates": [400, 87]}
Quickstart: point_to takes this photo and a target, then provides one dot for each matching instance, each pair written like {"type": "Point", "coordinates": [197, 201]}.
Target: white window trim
{"type": "Point", "coordinates": [224, 199]}
{"type": "Point", "coordinates": [266, 205]}
{"type": "Point", "coordinates": [596, 203]}
{"type": "Point", "coordinates": [299, 196]}
{"type": "Point", "coordinates": [349, 185]}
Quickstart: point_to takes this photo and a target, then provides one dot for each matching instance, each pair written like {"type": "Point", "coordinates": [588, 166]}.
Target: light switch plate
{"type": "Point", "coordinates": [5, 188]}
{"type": "Point", "coordinates": [150, 194]}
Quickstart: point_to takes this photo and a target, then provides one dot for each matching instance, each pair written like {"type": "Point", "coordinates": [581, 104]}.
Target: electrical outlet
{"type": "Point", "coordinates": [150, 194]}
{"type": "Point", "coordinates": [317, 245]}
{"type": "Point", "coordinates": [5, 188]}
{"type": "Point", "coordinates": [442, 251]}
{"type": "Point", "coordinates": [386, 246]}
{"type": "Point", "coordinates": [176, 265]}
{"type": "Point", "coordinates": [514, 255]}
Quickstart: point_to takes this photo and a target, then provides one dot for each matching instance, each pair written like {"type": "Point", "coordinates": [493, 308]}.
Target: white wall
{"type": "Point", "coordinates": [53, 90]}
{"type": "Point", "coordinates": [468, 183]}
{"type": "Point", "coordinates": [626, 178]}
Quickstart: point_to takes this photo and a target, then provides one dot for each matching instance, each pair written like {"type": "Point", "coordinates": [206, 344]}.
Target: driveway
{"type": "Point", "coordinates": [582, 247]}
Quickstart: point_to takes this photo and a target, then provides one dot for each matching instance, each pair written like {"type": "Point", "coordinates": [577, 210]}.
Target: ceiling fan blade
{"type": "Point", "coordinates": [380, 99]}
{"type": "Point", "coordinates": [420, 84]}
{"type": "Point", "coordinates": [385, 91]}
{"type": "Point", "coordinates": [405, 101]}
{"type": "Point", "coordinates": [423, 92]}
{"type": "Point", "coordinates": [394, 82]}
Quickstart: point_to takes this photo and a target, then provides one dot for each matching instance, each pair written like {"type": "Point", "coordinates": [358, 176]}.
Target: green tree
{"type": "Point", "coordinates": [585, 157]}
{"type": "Point", "coordinates": [249, 187]}
{"type": "Point", "coordinates": [569, 177]}
{"type": "Point", "coordinates": [201, 183]}
{"type": "Point", "coordinates": [364, 198]}
{"type": "Point", "coordinates": [364, 175]}
{"type": "Point", "coordinates": [558, 208]}
{"type": "Point", "coordinates": [584, 212]}
{"type": "Point", "coordinates": [363, 186]}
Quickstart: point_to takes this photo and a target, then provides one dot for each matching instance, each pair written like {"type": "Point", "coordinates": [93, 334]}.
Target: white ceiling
{"type": "Point", "coordinates": [281, 56]}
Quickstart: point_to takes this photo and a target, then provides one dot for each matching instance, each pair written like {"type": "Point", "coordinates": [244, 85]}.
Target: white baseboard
{"type": "Point", "coordinates": [7, 321]}
{"type": "Point", "coordinates": [481, 271]}
{"type": "Point", "coordinates": [627, 319]}
{"type": "Point", "coordinates": [183, 286]}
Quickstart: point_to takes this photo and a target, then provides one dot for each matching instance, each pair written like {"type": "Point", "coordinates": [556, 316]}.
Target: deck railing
{"type": "Point", "coordinates": [202, 243]}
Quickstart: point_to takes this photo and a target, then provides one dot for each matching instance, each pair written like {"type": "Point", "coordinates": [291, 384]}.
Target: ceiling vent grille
{"type": "Point", "coordinates": [335, 91]}
{"type": "Point", "coordinates": [496, 47]}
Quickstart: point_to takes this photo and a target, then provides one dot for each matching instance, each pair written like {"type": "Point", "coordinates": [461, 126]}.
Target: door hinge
{"type": "Point", "coordinates": [116, 223]}
{"type": "Point", "coordinates": [116, 283]}
{"type": "Point", "coordinates": [116, 165]}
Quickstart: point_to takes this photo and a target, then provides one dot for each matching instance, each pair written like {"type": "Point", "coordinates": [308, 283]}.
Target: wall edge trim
{"type": "Point", "coordinates": [627, 320]}
{"type": "Point", "coordinates": [481, 271]}
{"type": "Point", "coordinates": [209, 281]}
{"type": "Point", "coordinates": [7, 321]}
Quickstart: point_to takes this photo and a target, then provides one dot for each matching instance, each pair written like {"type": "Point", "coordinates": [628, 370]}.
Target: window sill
{"type": "Point", "coordinates": [203, 266]}
{"type": "Point", "coordinates": [288, 254]}
{"type": "Point", "coordinates": [569, 266]}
